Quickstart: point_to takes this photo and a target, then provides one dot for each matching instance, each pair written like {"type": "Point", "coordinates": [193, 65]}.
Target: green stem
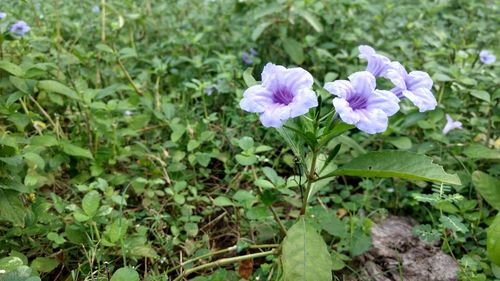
{"type": "Point", "coordinates": [278, 220]}
{"type": "Point", "coordinates": [310, 179]}
{"type": "Point", "coordinates": [225, 261]}
{"type": "Point", "coordinates": [230, 249]}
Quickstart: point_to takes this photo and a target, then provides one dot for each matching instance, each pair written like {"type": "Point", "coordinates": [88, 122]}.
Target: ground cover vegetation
{"type": "Point", "coordinates": [244, 140]}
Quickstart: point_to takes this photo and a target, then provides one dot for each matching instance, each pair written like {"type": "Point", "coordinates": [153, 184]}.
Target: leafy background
{"type": "Point", "coordinates": [122, 144]}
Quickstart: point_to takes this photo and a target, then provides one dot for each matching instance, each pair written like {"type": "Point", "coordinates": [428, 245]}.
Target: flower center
{"type": "Point", "coordinates": [357, 102]}
{"type": "Point", "coordinates": [282, 96]}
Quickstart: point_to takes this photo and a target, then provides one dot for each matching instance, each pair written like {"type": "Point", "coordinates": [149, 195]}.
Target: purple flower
{"type": "Point", "coordinates": [20, 28]}
{"type": "Point", "coordinates": [96, 9]}
{"type": "Point", "coordinates": [359, 103]}
{"type": "Point", "coordinates": [209, 90]}
{"type": "Point", "coordinates": [2, 15]}
{"type": "Point", "coordinates": [253, 52]}
{"type": "Point", "coordinates": [377, 64]}
{"type": "Point", "coordinates": [247, 58]}
{"type": "Point", "coordinates": [487, 57]}
{"type": "Point", "coordinates": [451, 124]}
{"type": "Point", "coordinates": [283, 94]}
{"type": "Point", "coordinates": [415, 86]}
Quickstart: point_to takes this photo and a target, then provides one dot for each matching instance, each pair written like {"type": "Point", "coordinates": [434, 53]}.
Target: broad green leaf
{"type": "Point", "coordinates": [479, 151]}
{"type": "Point", "coordinates": [305, 255]}
{"type": "Point", "coordinates": [43, 264]}
{"type": "Point", "coordinates": [11, 207]}
{"type": "Point", "coordinates": [57, 87]}
{"type": "Point", "coordinates": [294, 49]}
{"type": "Point", "coordinates": [117, 230]}
{"type": "Point", "coordinates": [454, 223]}
{"type": "Point", "coordinates": [488, 187]}
{"type": "Point", "coordinates": [11, 68]}
{"type": "Point", "coordinates": [260, 29]}
{"type": "Point", "coordinates": [10, 263]}
{"type": "Point", "coordinates": [493, 241]}
{"type": "Point", "coordinates": [482, 95]}
{"type": "Point", "coordinates": [402, 143]}
{"type": "Point", "coordinates": [45, 140]}
{"type": "Point", "coordinates": [223, 201]}
{"type": "Point", "coordinates": [104, 48]}
{"type": "Point", "coordinates": [360, 243]}
{"type": "Point", "coordinates": [399, 164]}
{"type": "Point", "coordinates": [125, 274]}
{"type": "Point", "coordinates": [248, 77]}
{"type": "Point", "coordinates": [21, 84]}
{"type": "Point", "coordinates": [310, 18]}
{"type": "Point", "coordinates": [191, 229]}
{"type": "Point", "coordinates": [90, 203]}
{"type": "Point", "coordinates": [76, 151]}
{"type": "Point", "coordinates": [246, 160]}
{"type": "Point", "coordinates": [192, 145]}
{"type": "Point", "coordinates": [246, 143]}
{"type": "Point", "coordinates": [272, 8]}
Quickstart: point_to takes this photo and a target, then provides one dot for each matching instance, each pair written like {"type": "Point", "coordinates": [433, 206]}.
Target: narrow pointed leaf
{"type": "Point", "coordinates": [399, 164]}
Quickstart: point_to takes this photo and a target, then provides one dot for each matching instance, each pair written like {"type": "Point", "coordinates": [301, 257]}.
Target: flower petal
{"type": "Point", "coordinates": [385, 101]}
{"type": "Point", "coordinates": [271, 75]}
{"type": "Point", "coordinates": [302, 102]}
{"type": "Point", "coordinates": [363, 82]}
{"type": "Point", "coordinates": [397, 74]}
{"type": "Point", "coordinates": [275, 117]}
{"type": "Point", "coordinates": [296, 78]}
{"type": "Point", "coordinates": [422, 98]}
{"type": "Point", "coordinates": [346, 113]}
{"type": "Point", "coordinates": [418, 79]}
{"type": "Point", "coordinates": [365, 51]}
{"type": "Point", "coordinates": [256, 99]}
{"type": "Point", "coordinates": [339, 88]}
{"type": "Point", "coordinates": [372, 121]}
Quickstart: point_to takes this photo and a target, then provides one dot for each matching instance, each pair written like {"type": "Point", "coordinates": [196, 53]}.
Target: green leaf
{"type": "Point", "coordinates": [246, 160]}
{"type": "Point", "coordinates": [402, 143]}
{"type": "Point", "coordinates": [21, 84]}
{"type": "Point", "coordinates": [104, 48]}
{"type": "Point", "coordinates": [260, 29]}
{"type": "Point", "coordinates": [482, 95]}
{"type": "Point", "coordinates": [10, 263]}
{"type": "Point", "coordinates": [192, 145]}
{"type": "Point", "coordinates": [360, 243]}
{"type": "Point", "coordinates": [400, 164]}
{"type": "Point", "coordinates": [310, 18]}
{"type": "Point", "coordinates": [125, 274]}
{"type": "Point", "coordinates": [223, 201]}
{"type": "Point", "coordinates": [76, 151]}
{"type": "Point", "coordinates": [305, 255]}
{"type": "Point", "coordinates": [294, 49]}
{"type": "Point", "coordinates": [11, 207]}
{"type": "Point", "coordinates": [90, 203]}
{"type": "Point", "coordinates": [493, 240]}
{"type": "Point", "coordinates": [117, 230]}
{"type": "Point", "coordinates": [57, 87]}
{"type": "Point", "coordinates": [478, 151]}
{"type": "Point", "coordinates": [246, 143]}
{"type": "Point", "coordinates": [45, 140]}
{"type": "Point", "coordinates": [191, 229]}
{"type": "Point", "coordinates": [454, 223]}
{"type": "Point", "coordinates": [248, 77]}
{"type": "Point", "coordinates": [488, 187]}
{"type": "Point", "coordinates": [11, 68]}
{"type": "Point", "coordinates": [43, 264]}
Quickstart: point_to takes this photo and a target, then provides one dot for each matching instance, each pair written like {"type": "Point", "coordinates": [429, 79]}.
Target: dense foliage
{"type": "Point", "coordinates": [124, 153]}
